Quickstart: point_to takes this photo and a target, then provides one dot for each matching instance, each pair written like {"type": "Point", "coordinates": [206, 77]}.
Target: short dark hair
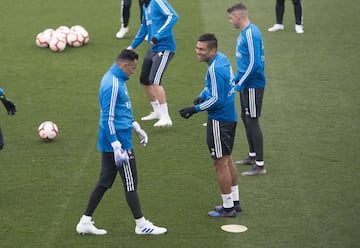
{"type": "Point", "coordinates": [210, 39]}
{"type": "Point", "coordinates": [237, 6]}
{"type": "Point", "coordinates": [129, 55]}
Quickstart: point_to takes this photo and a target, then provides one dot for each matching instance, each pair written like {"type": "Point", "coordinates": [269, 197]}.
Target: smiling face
{"type": "Point", "coordinates": [203, 52]}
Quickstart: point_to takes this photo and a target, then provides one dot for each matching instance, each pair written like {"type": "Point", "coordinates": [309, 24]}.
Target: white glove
{"type": "Point", "coordinates": [121, 157]}
{"type": "Point", "coordinates": [140, 133]}
{"type": "Point", "coordinates": [130, 48]}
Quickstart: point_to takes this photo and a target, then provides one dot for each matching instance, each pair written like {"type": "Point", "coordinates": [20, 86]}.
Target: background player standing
{"type": "Point", "coordinates": [280, 10]}
{"type": "Point", "coordinates": [115, 143]}
{"type": "Point", "coordinates": [217, 98]}
{"type": "Point", "coordinates": [157, 23]}
{"type": "Point", "coordinates": [250, 81]}
{"type": "Point", "coordinates": [125, 17]}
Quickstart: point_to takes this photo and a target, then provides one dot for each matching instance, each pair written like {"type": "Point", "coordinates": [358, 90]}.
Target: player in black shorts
{"type": "Point", "coordinates": [250, 81]}
{"type": "Point", "coordinates": [217, 98]}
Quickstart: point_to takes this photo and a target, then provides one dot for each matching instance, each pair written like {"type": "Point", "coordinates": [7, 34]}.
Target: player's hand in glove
{"type": "Point", "coordinates": [199, 100]}
{"type": "Point", "coordinates": [121, 156]}
{"type": "Point", "coordinates": [8, 104]}
{"type": "Point", "coordinates": [140, 133]}
{"type": "Point", "coordinates": [187, 112]}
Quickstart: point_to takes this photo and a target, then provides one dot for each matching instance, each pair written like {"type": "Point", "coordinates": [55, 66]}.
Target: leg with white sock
{"type": "Point", "coordinates": [129, 179]}
{"type": "Point", "coordinates": [165, 120]}
{"type": "Point", "coordinates": [105, 181]}
{"type": "Point", "coordinates": [155, 114]}
{"type": "Point", "coordinates": [154, 66]}
{"type": "Point", "coordinates": [225, 180]}
{"type": "Point", "coordinates": [257, 139]}
{"type": "Point", "coordinates": [234, 185]}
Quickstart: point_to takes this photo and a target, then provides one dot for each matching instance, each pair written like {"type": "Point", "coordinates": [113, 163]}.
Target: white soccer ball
{"type": "Point", "coordinates": [49, 31]}
{"type": "Point", "coordinates": [74, 39]}
{"type": "Point", "coordinates": [42, 40]}
{"type": "Point", "coordinates": [82, 31]}
{"type": "Point", "coordinates": [57, 42]}
{"type": "Point", "coordinates": [63, 29]}
{"type": "Point", "coordinates": [48, 130]}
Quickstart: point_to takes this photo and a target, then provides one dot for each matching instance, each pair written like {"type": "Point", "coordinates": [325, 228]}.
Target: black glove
{"type": "Point", "coordinates": [187, 112]}
{"type": "Point", "coordinates": [199, 100]}
{"type": "Point", "coordinates": [145, 2]}
{"type": "Point", "coordinates": [154, 40]}
{"type": "Point", "coordinates": [9, 105]}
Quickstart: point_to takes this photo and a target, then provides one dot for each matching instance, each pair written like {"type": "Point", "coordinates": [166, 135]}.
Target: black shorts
{"type": "Point", "coordinates": [109, 171]}
{"type": "Point", "coordinates": [251, 102]}
{"type": "Point", "coordinates": [220, 137]}
{"type": "Point", "coordinates": [154, 66]}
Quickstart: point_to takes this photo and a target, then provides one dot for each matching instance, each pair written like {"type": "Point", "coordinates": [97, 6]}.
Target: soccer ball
{"type": "Point", "coordinates": [75, 39]}
{"type": "Point", "coordinates": [42, 40]}
{"type": "Point", "coordinates": [63, 29]}
{"type": "Point", "coordinates": [48, 130]}
{"type": "Point", "coordinates": [57, 42]}
{"type": "Point", "coordinates": [81, 31]}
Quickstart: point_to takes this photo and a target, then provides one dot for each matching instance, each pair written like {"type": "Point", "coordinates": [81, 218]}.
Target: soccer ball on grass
{"type": "Point", "coordinates": [57, 42]}
{"type": "Point", "coordinates": [48, 130]}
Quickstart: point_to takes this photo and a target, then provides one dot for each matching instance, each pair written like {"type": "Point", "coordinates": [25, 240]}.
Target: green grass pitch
{"type": "Point", "coordinates": [310, 196]}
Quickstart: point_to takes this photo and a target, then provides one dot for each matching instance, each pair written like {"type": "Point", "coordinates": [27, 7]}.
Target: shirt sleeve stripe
{"type": "Point", "coordinates": [114, 93]}
{"type": "Point", "coordinates": [251, 56]}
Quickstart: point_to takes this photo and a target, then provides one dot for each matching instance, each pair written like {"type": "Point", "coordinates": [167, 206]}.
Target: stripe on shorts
{"type": "Point", "coordinates": [161, 68]}
{"type": "Point", "coordinates": [217, 138]}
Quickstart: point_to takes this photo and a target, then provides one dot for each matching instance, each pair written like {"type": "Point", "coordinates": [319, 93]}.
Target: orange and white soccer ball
{"type": "Point", "coordinates": [48, 130]}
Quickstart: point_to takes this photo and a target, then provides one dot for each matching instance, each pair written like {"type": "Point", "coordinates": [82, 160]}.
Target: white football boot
{"type": "Point", "coordinates": [122, 32]}
{"type": "Point", "coordinates": [299, 29]}
{"type": "Point", "coordinates": [163, 122]}
{"type": "Point", "coordinates": [84, 227]}
{"type": "Point", "coordinates": [276, 27]}
{"type": "Point", "coordinates": [150, 228]}
{"type": "Point", "coordinates": [151, 116]}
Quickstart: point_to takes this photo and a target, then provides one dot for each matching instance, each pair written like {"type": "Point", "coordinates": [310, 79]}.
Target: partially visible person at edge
{"type": "Point", "coordinates": [116, 147]}
{"type": "Point", "coordinates": [11, 110]}
{"type": "Point", "coordinates": [250, 81]}
{"type": "Point", "coordinates": [280, 10]}
{"type": "Point", "coordinates": [157, 24]}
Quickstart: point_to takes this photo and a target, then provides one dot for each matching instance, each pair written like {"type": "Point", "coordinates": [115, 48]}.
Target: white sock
{"type": "Point", "coordinates": [85, 218]}
{"type": "Point", "coordinates": [227, 200]}
{"type": "Point", "coordinates": [235, 192]}
{"type": "Point", "coordinates": [252, 154]}
{"type": "Point", "coordinates": [163, 108]}
{"type": "Point", "coordinates": [259, 163]}
{"type": "Point", "coordinates": [141, 221]}
{"type": "Point", "coordinates": [155, 104]}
